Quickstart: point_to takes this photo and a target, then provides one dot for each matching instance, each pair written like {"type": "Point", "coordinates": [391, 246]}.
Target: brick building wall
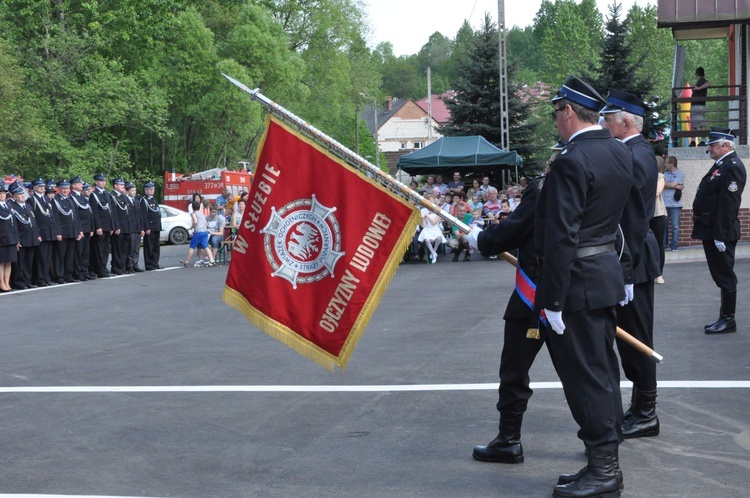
{"type": "Point", "coordinates": [686, 227]}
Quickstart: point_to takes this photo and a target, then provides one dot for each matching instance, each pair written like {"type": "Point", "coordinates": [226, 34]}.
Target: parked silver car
{"type": "Point", "coordinates": [175, 225]}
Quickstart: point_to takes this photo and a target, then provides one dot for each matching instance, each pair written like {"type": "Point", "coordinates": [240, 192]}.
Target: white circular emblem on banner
{"type": "Point", "coordinates": [302, 241]}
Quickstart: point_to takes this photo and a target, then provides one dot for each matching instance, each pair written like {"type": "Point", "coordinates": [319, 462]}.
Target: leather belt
{"type": "Point", "coordinates": [585, 252]}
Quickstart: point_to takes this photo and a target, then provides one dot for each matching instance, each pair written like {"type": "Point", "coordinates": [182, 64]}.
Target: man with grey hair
{"type": "Point", "coordinates": [716, 224]}
{"type": "Point", "coordinates": [623, 117]}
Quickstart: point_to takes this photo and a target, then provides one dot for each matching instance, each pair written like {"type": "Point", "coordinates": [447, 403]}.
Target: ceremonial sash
{"type": "Point", "coordinates": [317, 246]}
{"type": "Point", "coordinates": [526, 289]}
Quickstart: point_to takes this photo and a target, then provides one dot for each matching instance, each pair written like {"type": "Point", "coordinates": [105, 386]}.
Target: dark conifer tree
{"type": "Point", "coordinates": [475, 110]}
{"type": "Point", "coordinates": [618, 69]}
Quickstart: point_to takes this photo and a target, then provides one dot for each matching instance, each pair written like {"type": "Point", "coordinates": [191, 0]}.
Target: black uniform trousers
{"type": "Point", "coordinates": [100, 249]}
{"type": "Point", "coordinates": [64, 252]}
{"type": "Point", "coordinates": [721, 264]}
{"type": "Point", "coordinates": [42, 262]}
{"type": "Point", "coordinates": [134, 251]}
{"type": "Point", "coordinates": [120, 249]}
{"type": "Point", "coordinates": [585, 360]}
{"type": "Point", "coordinates": [517, 357]}
{"type": "Point", "coordinates": [151, 250]}
{"type": "Point", "coordinates": [22, 269]}
{"type": "Point", "coordinates": [637, 319]}
{"type": "Point", "coordinates": [82, 257]}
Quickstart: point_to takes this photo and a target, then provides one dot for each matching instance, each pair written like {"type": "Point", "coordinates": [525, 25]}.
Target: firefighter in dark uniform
{"type": "Point", "coordinates": [519, 351]}
{"type": "Point", "coordinates": [715, 222]}
{"type": "Point", "coordinates": [623, 116]}
{"type": "Point", "coordinates": [83, 245]}
{"type": "Point", "coordinates": [135, 222]}
{"type": "Point", "coordinates": [8, 238]}
{"type": "Point", "coordinates": [121, 234]}
{"type": "Point", "coordinates": [580, 204]}
{"type": "Point", "coordinates": [101, 211]}
{"type": "Point", "coordinates": [28, 236]}
{"type": "Point", "coordinates": [70, 231]}
{"type": "Point", "coordinates": [151, 215]}
{"type": "Point", "coordinates": [515, 232]}
{"type": "Point", "coordinates": [48, 229]}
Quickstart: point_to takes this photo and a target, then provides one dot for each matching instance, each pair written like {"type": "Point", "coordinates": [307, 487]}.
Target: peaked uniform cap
{"type": "Point", "coordinates": [76, 179]}
{"type": "Point", "coordinates": [129, 185]}
{"type": "Point", "coordinates": [63, 183]}
{"type": "Point", "coordinates": [719, 134]}
{"type": "Point", "coordinates": [149, 185]}
{"type": "Point", "coordinates": [617, 101]}
{"type": "Point", "coordinates": [100, 178]}
{"type": "Point", "coordinates": [38, 181]}
{"type": "Point", "coordinates": [17, 188]}
{"type": "Point", "coordinates": [118, 181]}
{"type": "Point", "coordinates": [580, 92]}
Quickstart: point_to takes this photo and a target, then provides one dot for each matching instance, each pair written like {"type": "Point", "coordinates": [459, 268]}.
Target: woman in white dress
{"type": "Point", "coordinates": [432, 232]}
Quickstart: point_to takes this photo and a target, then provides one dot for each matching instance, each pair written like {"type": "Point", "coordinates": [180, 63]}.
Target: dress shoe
{"type": "Point", "coordinates": [103, 275]}
{"type": "Point", "coordinates": [150, 268]}
{"type": "Point", "coordinates": [91, 277]}
{"type": "Point", "coordinates": [138, 269]}
{"type": "Point", "coordinates": [60, 281]}
{"type": "Point", "coordinates": [70, 280]}
{"type": "Point", "coordinates": [113, 272]}
{"type": "Point", "coordinates": [42, 284]}
{"type": "Point", "coordinates": [506, 447]}
{"type": "Point", "coordinates": [33, 286]}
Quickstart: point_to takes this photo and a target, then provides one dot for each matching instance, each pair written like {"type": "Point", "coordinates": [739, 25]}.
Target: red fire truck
{"type": "Point", "coordinates": [179, 189]}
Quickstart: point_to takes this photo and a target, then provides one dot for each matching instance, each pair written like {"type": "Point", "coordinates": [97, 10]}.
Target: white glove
{"type": "Point", "coordinates": [472, 237]}
{"type": "Point", "coordinates": [721, 246]}
{"type": "Point", "coordinates": [554, 318]}
{"type": "Point", "coordinates": [628, 294]}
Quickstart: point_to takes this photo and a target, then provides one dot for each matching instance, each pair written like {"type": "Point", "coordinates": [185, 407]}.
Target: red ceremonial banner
{"type": "Point", "coordinates": [318, 244]}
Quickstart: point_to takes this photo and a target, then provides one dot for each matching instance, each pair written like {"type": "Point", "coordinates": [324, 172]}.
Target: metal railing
{"type": "Point", "coordinates": [725, 107]}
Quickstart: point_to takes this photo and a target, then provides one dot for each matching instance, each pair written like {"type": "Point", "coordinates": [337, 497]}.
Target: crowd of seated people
{"type": "Point", "coordinates": [477, 206]}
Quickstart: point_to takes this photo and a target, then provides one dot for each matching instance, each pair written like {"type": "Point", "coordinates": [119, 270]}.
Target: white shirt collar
{"type": "Point", "coordinates": [584, 130]}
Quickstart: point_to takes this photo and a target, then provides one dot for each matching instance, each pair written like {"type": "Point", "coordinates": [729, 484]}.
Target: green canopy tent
{"type": "Point", "coordinates": [473, 156]}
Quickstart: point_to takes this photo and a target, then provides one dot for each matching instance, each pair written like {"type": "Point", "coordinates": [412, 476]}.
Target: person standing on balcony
{"type": "Point", "coordinates": [698, 109]}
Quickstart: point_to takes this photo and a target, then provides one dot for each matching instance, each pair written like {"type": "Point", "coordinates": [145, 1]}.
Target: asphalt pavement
{"type": "Point", "coordinates": [148, 385]}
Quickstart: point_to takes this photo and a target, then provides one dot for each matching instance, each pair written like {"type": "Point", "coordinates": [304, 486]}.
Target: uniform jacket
{"type": "Point", "coordinates": [580, 204]}
{"type": "Point", "coordinates": [120, 208]}
{"type": "Point", "coordinates": [516, 231]}
{"type": "Point", "coordinates": [28, 230]}
{"type": "Point", "coordinates": [717, 202]}
{"type": "Point", "coordinates": [101, 210]}
{"type": "Point", "coordinates": [8, 231]}
{"type": "Point", "coordinates": [134, 214]}
{"type": "Point", "coordinates": [639, 210]}
{"type": "Point", "coordinates": [150, 213]}
{"type": "Point", "coordinates": [84, 212]}
{"type": "Point", "coordinates": [67, 216]}
{"type": "Point", "coordinates": [46, 217]}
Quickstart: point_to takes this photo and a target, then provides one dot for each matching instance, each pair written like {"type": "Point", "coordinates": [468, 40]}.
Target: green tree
{"type": "Point", "coordinates": [475, 110]}
{"type": "Point", "coordinates": [618, 69]}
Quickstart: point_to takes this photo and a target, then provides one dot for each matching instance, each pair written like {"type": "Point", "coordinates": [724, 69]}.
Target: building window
{"type": "Point", "coordinates": [403, 145]}
{"type": "Point", "coordinates": [418, 145]}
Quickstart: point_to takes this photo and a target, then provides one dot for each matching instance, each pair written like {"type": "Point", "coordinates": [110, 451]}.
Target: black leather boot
{"type": "Point", "coordinates": [725, 324]}
{"type": "Point", "coordinates": [643, 422]}
{"type": "Point", "coordinates": [568, 478]}
{"type": "Point", "coordinates": [506, 447]}
{"type": "Point", "coordinates": [600, 478]}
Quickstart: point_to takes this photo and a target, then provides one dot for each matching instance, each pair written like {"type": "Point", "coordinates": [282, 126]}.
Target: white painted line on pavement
{"type": "Point", "coordinates": [675, 384]}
